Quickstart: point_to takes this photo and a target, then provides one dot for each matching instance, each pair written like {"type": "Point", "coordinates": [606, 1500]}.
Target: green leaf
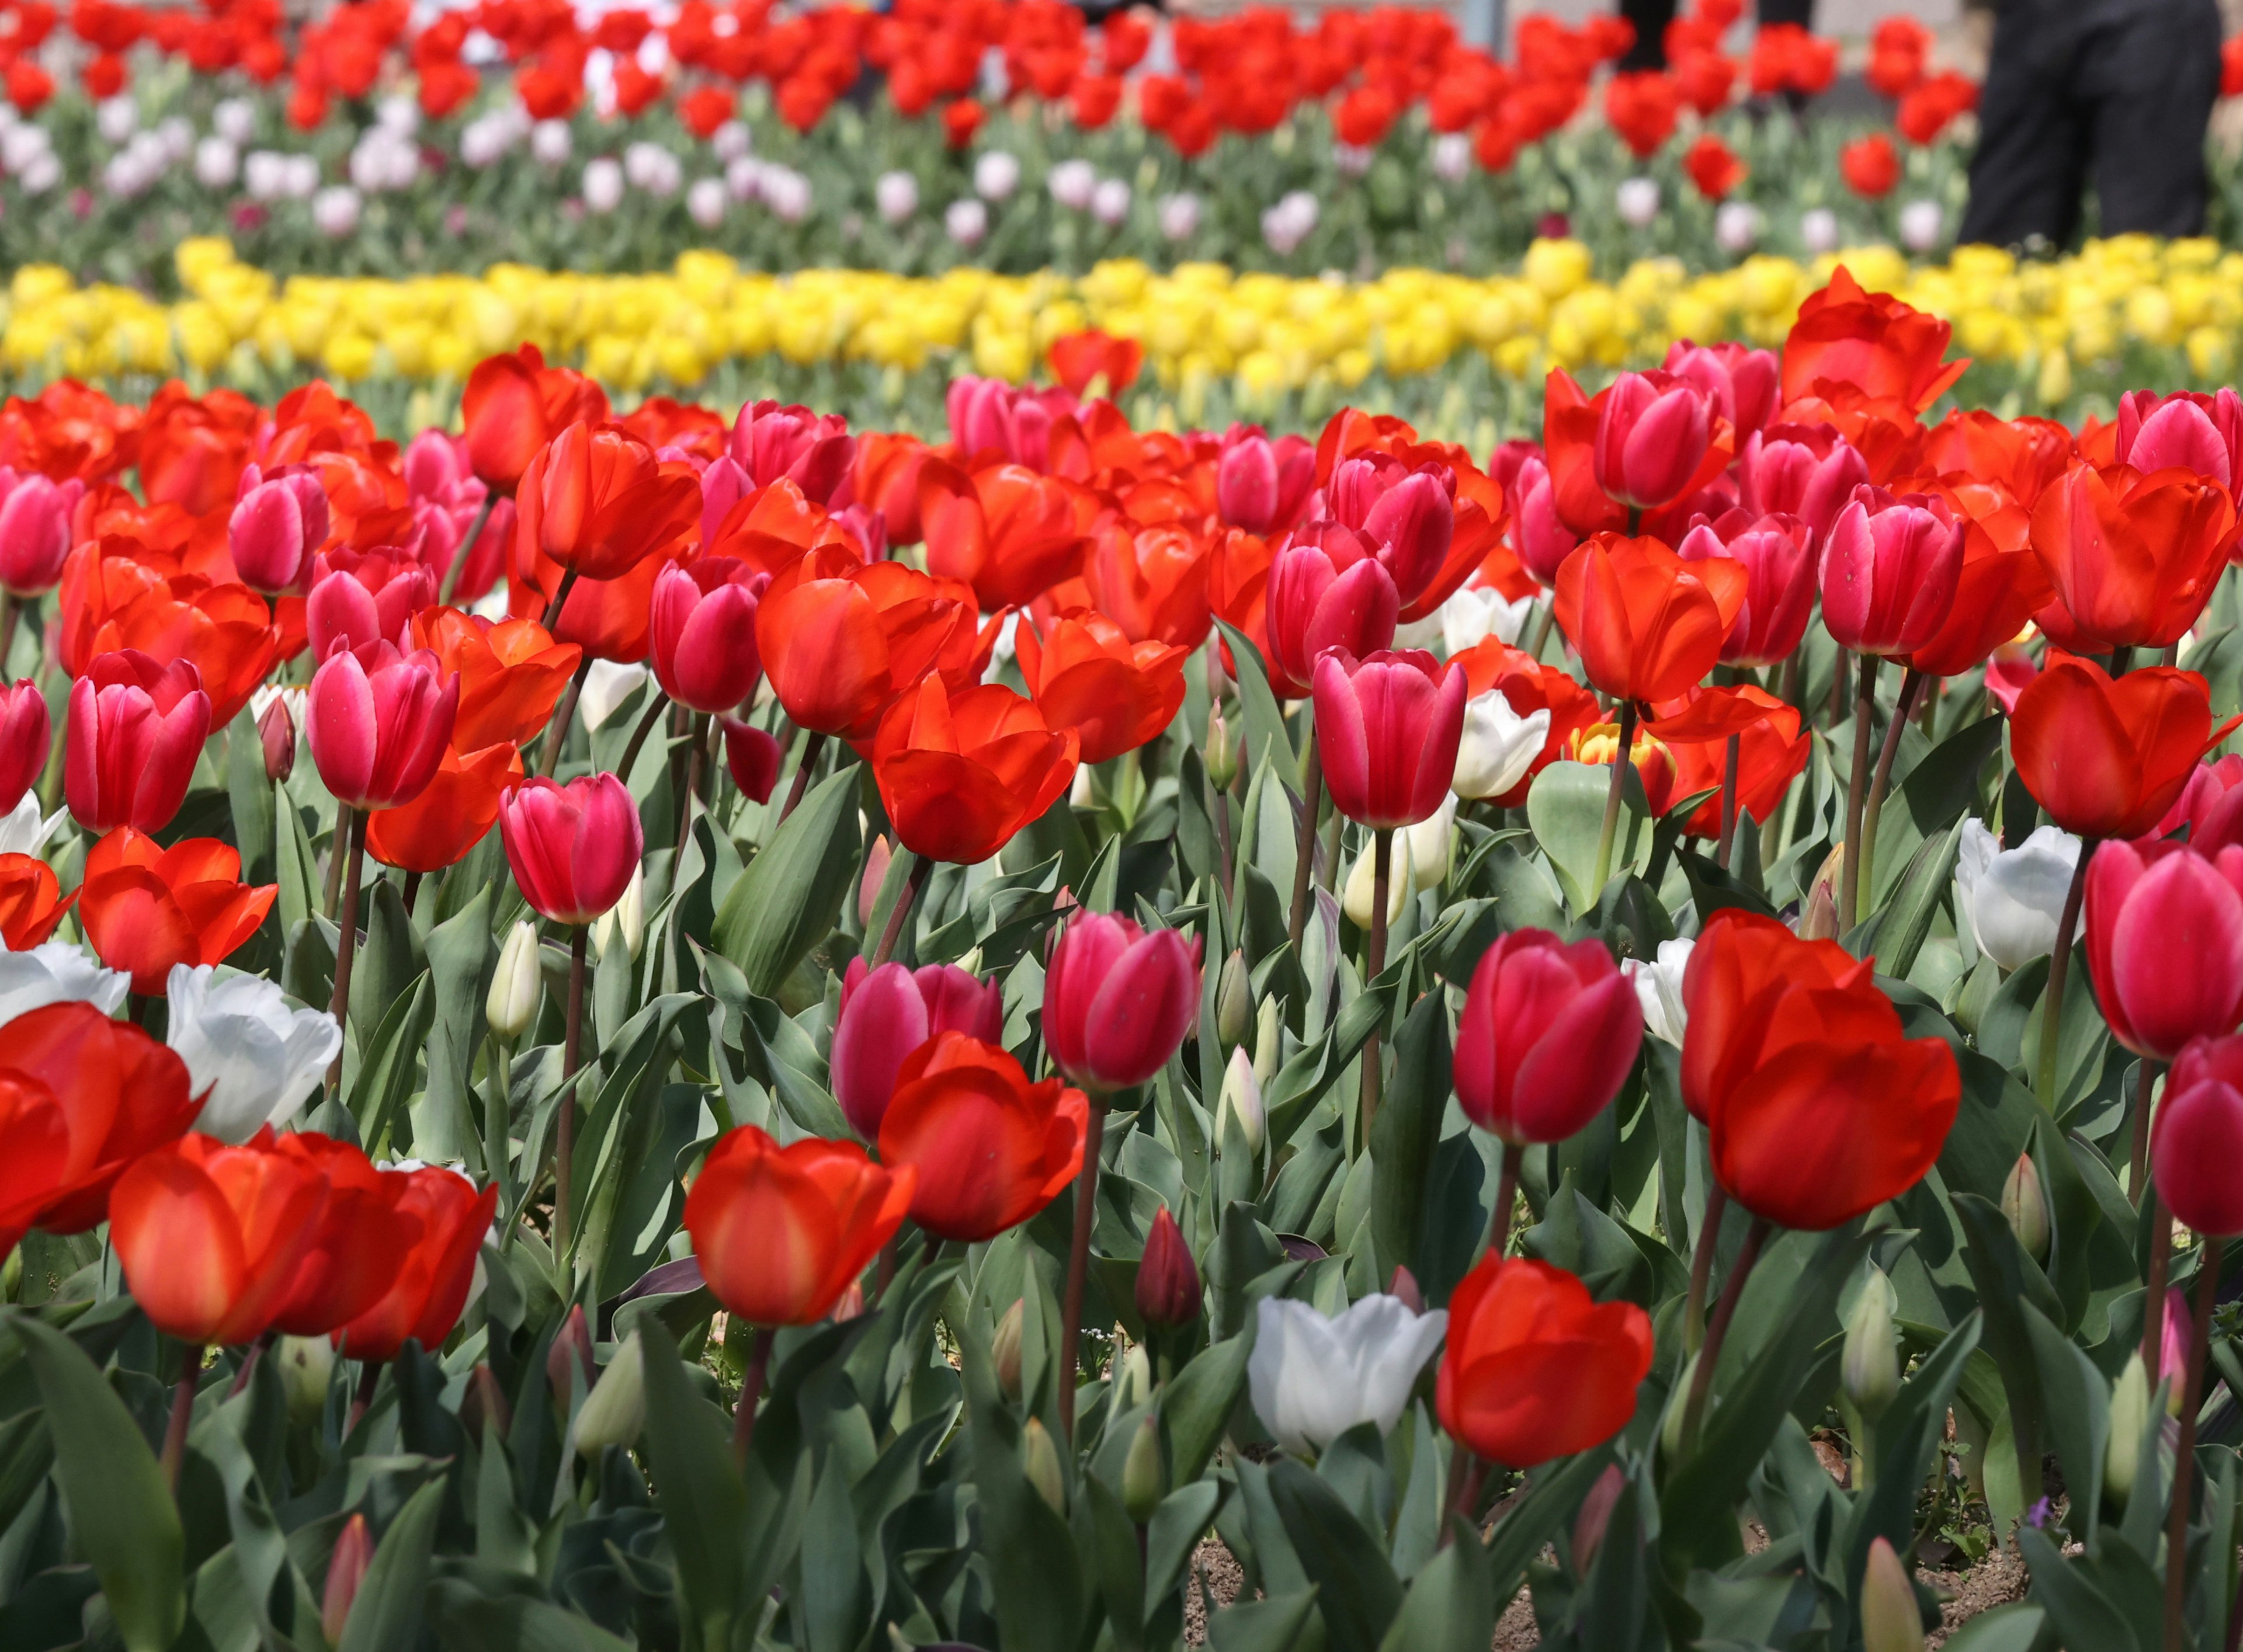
{"type": "Point", "coordinates": [1358, 1593]}
{"type": "Point", "coordinates": [1265, 734]}
{"type": "Point", "coordinates": [705, 1501]}
{"type": "Point", "coordinates": [466, 1620]}
{"type": "Point", "coordinates": [1553, 1492]}
{"type": "Point", "coordinates": [389, 1065]}
{"type": "Point", "coordinates": [1405, 1136]}
{"type": "Point", "coordinates": [251, 796]}
{"type": "Point", "coordinates": [2076, 1402]}
{"type": "Point", "coordinates": [1035, 1570]}
{"type": "Point", "coordinates": [1200, 1401]}
{"type": "Point", "coordinates": [1565, 806]}
{"type": "Point", "coordinates": [2006, 1629]}
{"type": "Point", "coordinates": [122, 1517]}
{"type": "Point", "coordinates": [1905, 921]}
{"type": "Point", "coordinates": [1174, 1531]}
{"type": "Point", "coordinates": [2081, 1614]}
{"type": "Point", "coordinates": [1937, 792]}
{"type": "Point", "coordinates": [461, 963]}
{"type": "Point", "coordinates": [386, 1613]}
{"type": "Point", "coordinates": [2006, 1280]}
{"type": "Point", "coordinates": [1281, 1623]}
{"type": "Point", "coordinates": [1451, 1606]}
{"type": "Point", "coordinates": [790, 898]}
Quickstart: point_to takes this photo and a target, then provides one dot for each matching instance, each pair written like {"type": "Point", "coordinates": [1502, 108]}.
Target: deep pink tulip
{"type": "Point", "coordinates": [1387, 729]}
{"type": "Point", "coordinates": [888, 1012]}
{"type": "Point", "coordinates": [1538, 533]}
{"type": "Point", "coordinates": [35, 531]}
{"type": "Point", "coordinates": [1408, 515]}
{"type": "Point", "coordinates": [136, 725]}
{"type": "Point", "coordinates": [2165, 943]}
{"type": "Point", "coordinates": [1652, 436]}
{"type": "Point", "coordinates": [378, 721]}
{"type": "Point", "coordinates": [1167, 1290]}
{"type": "Point", "coordinates": [1806, 470]}
{"type": "Point", "coordinates": [2198, 1141]}
{"type": "Point", "coordinates": [573, 848]}
{"type": "Point", "coordinates": [2210, 806]}
{"type": "Point", "coordinates": [278, 526]}
{"type": "Point", "coordinates": [702, 635]}
{"type": "Point", "coordinates": [361, 597]}
{"type": "Point", "coordinates": [24, 733]}
{"type": "Point", "coordinates": [2187, 428]}
{"type": "Point", "coordinates": [1889, 570]}
{"type": "Point", "coordinates": [1117, 1000]}
{"type": "Point", "coordinates": [723, 484]}
{"type": "Point", "coordinates": [1743, 384]}
{"type": "Point", "coordinates": [1014, 422]}
{"type": "Point", "coordinates": [1546, 1037]}
{"type": "Point", "coordinates": [1263, 485]}
{"type": "Point", "coordinates": [1327, 590]}
{"type": "Point", "coordinates": [751, 756]}
{"type": "Point", "coordinates": [813, 451]}
{"type": "Point", "coordinates": [1778, 556]}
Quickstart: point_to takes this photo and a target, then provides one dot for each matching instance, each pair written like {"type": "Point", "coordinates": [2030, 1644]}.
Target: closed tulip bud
{"type": "Point", "coordinates": [1144, 1478]}
{"type": "Point", "coordinates": [278, 526]}
{"type": "Point", "coordinates": [1403, 1287]}
{"type": "Point", "coordinates": [1653, 432]}
{"type": "Point", "coordinates": [1117, 1000]}
{"type": "Point", "coordinates": [2130, 1419]}
{"type": "Point", "coordinates": [1595, 1515]}
{"type": "Point", "coordinates": [877, 859]}
{"type": "Point", "coordinates": [572, 1346]}
{"type": "Point", "coordinates": [1221, 754]}
{"type": "Point", "coordinates": [625, 920]}
{"type": "Point", "coordinates": [1819, 920]}
{"type": "Point", "coordinates": [35, 532]}
{"type": "Point", "coordinates": [1234, 1001]}
{"type": "Point", "coordinates": [1891, 1621]}
{"type": "Point", "coordinates": [1359, 895]}
{"type": "Point", "coordinates": [1269, 1042]}
{"type": "Point", "coordinates": [2026, 1207]}
{"type": "Point", "coordinates": [1133, 1380]}
{"type": "Point", "coordinates": [483, 1408]}
{"type": "Point", "coordinates": [573, 849]}
{"type": "Point", "coordinates": [305, 1365]}
{"type": "Point", "coordinates": [276, 734]}
{"type": "Point", "coordinates": [1005, 1348]}
{"type": "Point", "coordinates": [1167, 1278]}
{"type": "Point", "coordinates": [615, 1410]}
{"type": "Point", "coordinates": [1039, 1461]}
{"type": "Point", "coordinates": [353, 1553]}
{"type": "Point", "coordinates": [1547, 1034]}
{"type": "Point", "coordinates": [1869, 1370]}
{"type": "Point", "coordinates": [1241, 1100]}
{"type": "Point", "coordinates": [513, 1001]}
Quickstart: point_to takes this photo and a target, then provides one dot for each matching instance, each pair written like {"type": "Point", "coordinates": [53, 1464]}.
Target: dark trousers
{"type": "Point", "coordinates": [2118, 90]}
{"type": "Point", "coordinates": [1651, 17]}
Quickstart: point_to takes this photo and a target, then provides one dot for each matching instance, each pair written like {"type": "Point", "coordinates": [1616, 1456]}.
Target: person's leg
{"type": "Point", "coordinates": [1650, 18]}
{"type": "Point", "coordinates": [1799, 11]}
{"type": "Point", "coordinates": [2031, 164]}
{"type": "Point", "coordinates": [2150, 79]}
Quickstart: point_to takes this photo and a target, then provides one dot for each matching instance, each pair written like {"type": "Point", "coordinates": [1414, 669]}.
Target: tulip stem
{"type": "Point", "coordinates": [1467, 1475]}
{"type": "Point", "coordinates": [249, 1363]}
{"type": "Point", "coordinates": [2192, 1396]}
{"type": "Point", "coordinates": [1702, 1267]}
{"type": "Point", "coordinates": [1701, 1380]}
{"type": "Point", "coordinates": [1506, 1197]}
{"type": "Point", "coordinates": [906, 897]}
{"type": "Point", "coordinates": [1078, 1264]}
{"type": "Point", "coordinates": [1304, 843]}
{"type": "Point", "coordinates": [412, 891]}
{"type": "Point", "coordinates": [183, 1414]}
{"type": "Point", "coordinates": [1544, 617]}
{"type": "Point", "coordinates": [564, 1139]}
{"type": "Point", "coordinates": [1374, 960]}
{"type": "Point", "coordinates": [1218, 808]}
{"type": "Point", "coordinates": [1727, 846]}
{"type": "Point", "coordinates": [657, 704]}
{"type": "Point", "coordinates": [1873, 810]}
{"type": "Point", "coordinates": [556, 730]}
{"type": "Point", "coordinates": [498, 1133]}
{"type": "Point", "coordinates": [467, 547]}
{"type": "Point", "coordinates": [811, 749]}
{"type": "Point", "coordinates": [2153, 1302]}
{"type": "Point", "coordinates": [369, 1380]}
{"type": "Point", "coordinates": [751, 1393]}
{"type": "Point", "coordinates": [552, 615]}
{"type": "Point", "coordinates": [1623, 762]}
{"type": "Point", "coordinates": [2059, 964]}
{"type": "Point", "coordinates": [351, 827]}
{"type": "Point", "coordinates": [2138, 1166]}
{"type": "Point", "coordinates": [696, 756]}
{"type": "Point", "coordinates": [1858, 790]}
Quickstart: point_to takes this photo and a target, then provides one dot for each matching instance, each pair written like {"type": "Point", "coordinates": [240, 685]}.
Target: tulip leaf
{"type": "Point", "coordinates": [1034, 1568]}
{"type": "Point", "coordinates": [388, 1611]}
{"type": "Point", "coordinates": [121, 1516]}
{"type": "Point", "coordinates": [250, 798]}
{"type": "Point", "coordinates": [1936, 795]}
{"type": "Point", "coordinates": [2078, 1403]}
{"type": "Point", "coordinates": [1279, 1624]}
{"type": "Point", "coordinates": [1358, 1593]}
{"type": "Point", "coordinates": [1904, 923]}
{"type": "Point", "coordinates": [1198, 1404]}
{"type": "Point", "coordinates": [2082, 1614]}
{"type": "Point", "coordinates": [1451, 1606]}
{"type": "Point", "coordinates": [2006, 1629]}
{"type": "Point", "coordinates": [1404, 1136]}
{"type": "Point", "coordinates": [388, 1064]}
{"type": "Point", "coordinates": [466, 1620]}
{"type": "Point", "coordinates": [1565, 806]}
{"type": "Point", "coordinates": [462, 961]}
{"type": "Point", "coordinates": [704, 1500]}
{"type": "Point", "coordinates": [789, 896]}
{"type": "Point", "coordinates": [2008, 1280]}
{"type": "Point", "coordinates": [1266, 736]}
{"type": "Point", "coordinates": [1176, 1527]}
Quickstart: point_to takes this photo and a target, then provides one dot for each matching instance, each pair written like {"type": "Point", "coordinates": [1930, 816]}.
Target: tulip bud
{"type": "Point", "coordinates": [626, 919]}
{"type": "Point", "coordinates": [1891, 1622]}
{"type": "Point", "coordinates": [305, 1365]}
{"type": "Point", "coordinates": [1818, 921]}
{"type": "Point", "coordinates": [514, 988]}
{"type": "Point", "coordinates": [1234, 1001]}
{"type": "Point", "coordinates": [615, 1409]}
{"type": "Point", "coordinates": [11, 1275]}
{"type": "Point", "coordinates": [875, 873]}
{"type": "Point", "coordinates": [353, 1553]}
{"type": "Point", "coordinates": [1144, 1480]}
{"type": "Point", "coordinates": [1005, 1348]}
{"type": "Point", "coordinates": [2130, 1418]}
{"type": "Point", "coordinates": [1168, 1279]}
{"type": "Point", "coordinates": [1359, 898]}
{"type": "Point", "coordinates": [2173, 1348]}
{"type": "Point", "coordinates": [1595, 1515]}
{"type": "Point", "coordinates": [1871, 1368]}
{"type": "Point", "coordinates": [1132, 1381]}
{"type": "Point", "coordinates": [574, 1343]}
{"type": "Point", "coordinates": [1241, 1100]}
{"type": "Point", "coordinates": [276, 732]}
{"type": "Point", "coordinates": [2026, 1207]}
{"type": "Point", "coordinates": [1403, 1287]}
{"type": "Point", "coordinates": [1039, 1461]}
{"type": "Point", "coordinates": [483, 1408]}
{"type": "Point", "coordinates": [1221, 754]}
{"type": "Point", "coordinates": [1269, 1040]}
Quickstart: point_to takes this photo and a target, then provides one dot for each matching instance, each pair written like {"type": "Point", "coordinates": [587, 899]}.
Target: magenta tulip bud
{"type": "Point", "coordinates": [1652, 431]}
{"type": "Point", "coordinates": [2165, 943]}
{"type": "Point", "coordinates": [2198, 1141]}
{"type": "Point", "coordinates": [346, 1568]}
{"type": "Point", "coordinates": [1889, 570]}
{"type": "Point", "coordinates": [278, 526]}
{"type": "Point", "coordinates": [573, 848]}
{"type": "Point", "coordinates": [1261, 485]}
{"type": "Point", "coordinates": [1806, 470]}
{"type": "Point", "coordinates": [1117, 1000]}
{"type": "Point", "coordinates": [752, 756]}
{"type": "Point", "coordinates": [276, 737]}
{"type": "Point", "coordinates": [1167, 1278]}
{"type": "Point", "coordinates": [1326, 590]}
{"type": "Point", "coordinates": [378, 722]}
{"type": "Point", "coordinates": [136, 729]}
{"type": "Point", "coordinates": [1388, 728]}
{"type": "Point", "coordinates": [1546, 1037]}
{"type": "Point", "coordinates": [1538, 534]}
{"type": "Point", "coordinates": [35, 532]}
{"type": "Point", "coordinates": [1742, 384]}
{"type": "Point", "coordinates": [703, 632]}
{"type": "Point", "coordinates": [2210, 806]}
{"type": "Point", "coordinates": [1777, 553]}
{"type": "Point", "coordinates": [888, 1012]}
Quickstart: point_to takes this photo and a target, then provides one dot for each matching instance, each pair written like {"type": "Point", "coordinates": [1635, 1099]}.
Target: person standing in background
{"type": "Point", "coordinates": [1651, 17]}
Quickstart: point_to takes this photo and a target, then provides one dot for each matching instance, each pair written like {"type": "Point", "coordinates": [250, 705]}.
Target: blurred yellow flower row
{"type": "Point", "coordinates": [1267, 334]}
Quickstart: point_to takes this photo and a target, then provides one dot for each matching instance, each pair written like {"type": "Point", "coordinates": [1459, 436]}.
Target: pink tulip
{"type": "Point", "coordinates": [1117, 1000]}
{"type": "Point", "coordinates": [360, 597]}
{"type": "Point", "coordinates": [573, 848]}
{"type": "Point", "coordinates": [278, 526]}
{"type": "Point", "coordinates": [1743, 384]}
{"type": "Point", "coordinates": [2211, 806]}
{"type": "Point", "coordinates": [813, 451]}
{"type": "Point", "coordinates": [1538, 533]}
{"type": "Point", "coordinates": [2187, 429]}
{"type": "Point", "coordinates": [1409, 515]}
{"type": "Point", "coordinates": [1652, 436]}
{"type": "Point", "coordinates": [136, 725]}
{"type": "Point", "coordinates": [752, 756]}
{"type": "Point", "coordinates": [24, 733]}
{"type": "Point", "coordinates": [2197, 1143]}
{"type": "Point", "coordinates": [1778, 556]}
{"type": "Point", "coordinates": [1889, 570]}
{"type": "Point", "coordinates": [703, 634]}
{"type": "Point", "coordinates": [1546, 1037]}
{"type": "Point", "coordinates": [1263, 485]}
{"type": "Point", "coordinates": [2165, 943]}
{"type": "Point", "coordinates": [1388, 727]}
{"type": "Point", "coordinates": [1806, 470]}
{"type": "Point", "coordinates": [888, 1012]}
{"type": "Point", "coordinates": [989, 416]}
{"type": "Point", "coordinates": [35, 531]}
{"type": "Point", "coordinates": [378, 721]}
{"type": "Point", "coordinates": [1326, 590]}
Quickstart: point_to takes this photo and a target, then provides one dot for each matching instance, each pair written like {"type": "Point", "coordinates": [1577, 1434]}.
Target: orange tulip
{"type": "Point", "coordinates": [1870, 340]}
{"type": "Point", "coordinates": [1535, 1367]}
{"type": "Point", "coordinates": [841, 639]}
{"type": "Point", "coordinates": [782, 1232]}
{"type": "Point", "coordinates": [2104, 758]}
{"type": "Point", "coordinates": [775, 526]}
{"type": "Point", "coordinates": [608, 618]}
{"type": "Point", "coordinates": [514, 403]}
{"type": "Point", "coordinates": [602, 502]}
{"type": "Point", "coordinates": [1772, 751]}
{"type": "Point", "coordinates": [1238, 585]}
{"type": "Point", "coordinates": [32, 901]}
{"type": "Point", "coordinates": [147, 908]}
{"type": "Point", "coordinates": [2133, 557]}
{"type": "Point", "coordinates": [2023, 455]}
{"type": "Point", "coordinates": [1003, 529]}
{"type": "Point", "coordinates": [112, 602]}
{"type": "Point", "coordinates": [350, 1260]}
{"type": "Point", "coordinates": [450, 815]}
{"type": "Point", "coordinates": [990, 1149]}
{"type": "Point", "coordinates": [959, 774]}
{"type": "Point", "coordinates": [886, 479]}
{"type": "Point", "coordinates": [1150, 581]}
{"type": "Point", "coordinates": [1086, 676]}
{"type": "Point", "coordinates": [2001, 585]}
{"type": "Point", "coordinates": [1076, 359]}
{"type": "Point", "coordinates": [512, 673]}
{"type": "Point", "coordinates": [1648, 625]}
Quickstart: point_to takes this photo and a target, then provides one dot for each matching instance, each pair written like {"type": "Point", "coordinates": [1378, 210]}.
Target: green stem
{"type": "Point", "coordinates": [1078, 1264]}
{"type": "Point", "coordinates": [1873, 808]}
{"type": "Point", "coordinates": [1857, 788]}
{"type": "Point", "coordinates": [564, 1144]}
{"type": "Point", "coordinates": [1374, 960]}
{"type": "Point", "coordinates": [1304, 843]}
{"type": "Point", "coordinates": [1623, 760]}
{"type": "Point", "coordinates": [353, 826]}
{"type": "Point", "coordinates": [1701, 1268]}
{"type": "Point", "coordinates": [915, 881]}
{"type": "Point", "coordinates": [2192, 1397]}
{"type": "Point", "coordinates": [2059, 964]}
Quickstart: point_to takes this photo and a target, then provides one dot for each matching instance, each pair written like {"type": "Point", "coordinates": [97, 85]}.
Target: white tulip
{"type": "Point", "coordinates": [1498, 745]}
{"type": "Point", "coordinates": [1179, 215]}
{"type": "Point", "coordinates": [732, 140]}
{"type": "Point", "coordinates": [1351, 160]}
{"type": "Point", "coordinates": [627, 918]}
{"type": "Point", "coordinates": [22, 831]}
{"type": "Point", "coordinates": [1071, 183]}
{"type": "Point", "coordinates": [1241, 1100]}
{"type": "Point", "coordinates": [1477, 612]}
{"type": "Point", "coordinates": [1921, 223]}
{"type": "Point", "coordinates": [254, 1054]}
{"type": "Point", "coordinates": [704, 202]}
{"type": "Point", "coordinates": [55, 972]}
{"type": "Point", "coordinates": [217, 165]}
{"type": "Point", "coordinates": [996, 175]}
{"type": "Point", "coordinates": [40, 173]}
{"type": "Point", "coordinates": [607, 685]}
{"type": "Point", "coordinates": [483, 140]}
{"type": "Point", "coordinates": [1818, 230]}
{"type": "Point", "coordinates": [1659, 989]}
{"type": "Point", "coordinates": [1452, 157]}
{"type": "Point", "coordinates": [895, 196]}
{"type": "Point", "coordinates": [966, 222]}
{"type": "Point", "coordinates": [1109, 202]}
{"type": "Point", "coordinates": [787, 194]}
{"type": "Point", "coordinates": [1736, 225]}
{"type": "Point", "coordinates": [1285, 226]}
{"type": "Point", "coordinates": [512, 1002]}
{"type": "Point", "coordinates": [300, 176]}
{"type": "Point", "coordinates": [20, 146]}
{"type": "Point", "coordinates": [176, 134]}
{"type": "Point", "coordinates": [550, 142]}
{"type": "Point", "coordinates": [334, 211]}
{"type": "Point", "coordinates": [1636, 199]}
{"type": "Point", "coordinates": [604, 185]}
{"type": "Point", "coordinates": [2012, 900]}
{"type": "Point", "coordinates": [117, 119]}
{"type": "Point", "coordinates": [235, 120]}
{"type": "Point", "coordinates": [1359, 895]}
{"type": "Point", "coordinates": [266, 175]}
{"type": "Point", "coordinates": [1313, 1379]}
{"type": "Point", "coordinates": [743, 178]}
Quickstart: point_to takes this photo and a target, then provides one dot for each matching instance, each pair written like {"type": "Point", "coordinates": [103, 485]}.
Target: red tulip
{"type": "Point", "coordinates": [1088, 676]}
{"type": "Point", "coordinates": [378, 723]}
{"type": "Point", "coordinates": [1387, 729]}
{"type": "Point", "coordinates": [24, 739]}
{"type": "Point", "coordinates": [2019, 456]}
{"type": "Point", "coordinates": [512, 673]}
{"type": "Point", "coordinates": [1653, 430]}
{"type": "Point", "coordinates": [1167, 1288]}
{"type": "Point", "coordinates": [449, 816]}
{"type": "Point", "coordinates": [2107, 759]}
{"type": "Point", "coordinates": [513, 403]}
{"type": "Point", "coordinates": [842, 644]}
{"type": "Point", "coordinates": [990, 1149]}
{"type": "Point", "coordinates": [2210, 806]}
{"type": "Point", "coordinates": [1261, 484]}
{"type": "Point", "coordinates": [1540, 536]}
{"type": "Point", "coordinates": [433, 1277]}
{"type": "Point", "coordinates": [1777, 553]}
{"type": "Point", "coordinates": [359, 598]}
{"type": "Point", "coordinates": [751, 756]}
{"type": "Point", "coordinates": [1327, 590]}
{"type": "Point", "coordinates": [573, 848]}
{"type": "Point", "coordinates": [1806, 470]}
{"type": "Point", "coordinates": [602, 502]}
{"type": "Point", "coordinates": [1772, 752]}
{"type": "Point", "coordinates": [1534, 1367]}
{"type": "Point", "coordinates": [2165, 943]}
{"type": "Point", "coordinates": [350, 1259]}
{"type": "Point", "coordinates": [1872, 341]}
{"type": "Point", "coordinates": [32, 901]}
{"type": "Point", "coordinates": [2133, 557]}
{"type": "Point", "coordinates": [1641, 106]}
{"type": "Point", "coordinates": [887, 1013]}
{"type": "Point", "coordinates": [1547, 1036]}
{"type": "Point", "coordinates": [1077, 360]}
{"type": "Point", "coordinates": [703, 632]}
{"type": "Point", "coordinates": [782, 1232]}
{"type": "Point", "coordinates": [1714, 167]}
{"type": "Point", "coordinates": [1889, 570]}
{"type": "Point", "coordinates": [1870, 165]}
{"type": "Point", "coordinates": [1004, 530]}
{"type": "Point", "coordinates": [959, 774]}
{"type": "Point", "coordinates": [278, 524]}
{"type": "Point", "coordinates": [35, 533]}
{"type": "Point", "coordinates": [1649, 625]}
{"type": "Point", "coordinates": [136, 727]}
{"type": "Point", "coordinates": [2000, 586]}
{"type": "Point", "coordinates": [147, 908]}
{"type": "Point", "coordinates": [2197, 1139]}
{"type": "Point", "coordinates": [1117, 1000]}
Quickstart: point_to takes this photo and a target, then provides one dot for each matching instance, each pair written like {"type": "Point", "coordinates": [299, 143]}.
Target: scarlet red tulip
{"type": "Point", "coordinates": [2165, 943]}
{"type": "Point", "coordinates": [278, 525]}
{"type": "Point", "coordinates": [573, 848]}
{"type": "Point", "coordinates": [450, 814]}
{"type": "Point", "coordinates": [2107, 759]}
{"type": "Point", "coordinates": [959, 774]}
{"type": "Point", "coordinates": [751, 756]}
{"type": "Point", "coordinates": [782, 1232]}
{"type": "Point", "coordinates": [1642, 106]}
{"type": "Point", "coordinates": [433, 1277]}
{"type": "Point", "coordinates": [990, 1149]}
{"type": "Point", "coordinates": [1387, 729]}
{"type": "Point", "coordinates": [378, 723]}
{"type": "Point", "coordinates": [1653, 430]}
{"type": "Point", "coordinates": [513, 403]}
{"type": "Point", "coordinates": [1547, 1036]}
{"type": "Point", "coordinates": [2133, 557]}
{"type": "Point", "coordinates": [1534, 1367]}
{"type": "Point", "coordinates": [1772, 752]}
{"type": "Point", "coordinates": [1327, 590]}
{"type": "Point", "coordinates": [32, 901]}
{"type": "Point", "coordinates": [1870, 165]}
{"type": "Point", "coordinates": [601, 502]}
{"type": "Point", "coordinates": [147, 908]}
{"type": "Point", "coordinates": [1077, 360]}
{"type": "Point", "coordinates": [1168, 1289]}
{"type": "Point", "coordinates": [1712, 166]}
{"type": "Point", "coordinates": [842, 644]}
{"type": "Point", "coordinates": [359, 598]}
{"type": "Point", "coordinates": [1889, 570]}
{"type": "Point", "coordinates": [349, 1261]}
{"type": "Point", "coordinates": [35, 532]}
{"type": "Point", "coordinates": [1777, 553]}
{"type": "Point", "coordinates": [511, 674]}
{"type": "Point", "coordinates": [703, 632]}
{"type": "Point", "coordinates": [1088, 676]}
{"type": "Point", "coordinates": [1261, 484]}
{"type": "Point", "coordinates": [1117, 1000]}
{"type": "Point", "coordinates": [1872, 341]}
{"type": "Point", "coordinates": [225, 631]}
{"type": "Point", "coordinates": [887, 1013]}
{"type": "Point", "coordinates": [137, 727]}
{"type": "Point", "coordinates": [1649, 625]}
{"type": "Point", "coordinates": [2199, 1135]}
{"type": "Point", "coordinates": [2021, 456]}
{"type": "Point", "coordinates": [1806, 470]}
{"type": "Point", "coordinates": [24, 739]}
{"type": "Point", "coordinates": [1004, 530]}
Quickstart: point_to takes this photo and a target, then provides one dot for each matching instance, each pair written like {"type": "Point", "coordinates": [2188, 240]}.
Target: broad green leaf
{"type": "Point", "coordinates": [705, 1501]}
{"type": "Point", "coordinates": [461, 962]}
{"type": "Point", "coordinates": [1565, 806]}
{"type": "Point", "coordinates": [1405, 1135]}
{"type": "Point", "coordinates": [387, 1612]}
{"type": "Point", "coordinates": [1281, 1623]}
{"type": "Point", "coordinates": [1358, 1595]}
{"type": "Point", "coordinates": [1198, 1403]}
{"type": "Point", "coordinates": [1265, 733]}
{"type": "Point", "coordinates": [790, 898]}
{"type": "Point", "coordinates": [1451, 1605]}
